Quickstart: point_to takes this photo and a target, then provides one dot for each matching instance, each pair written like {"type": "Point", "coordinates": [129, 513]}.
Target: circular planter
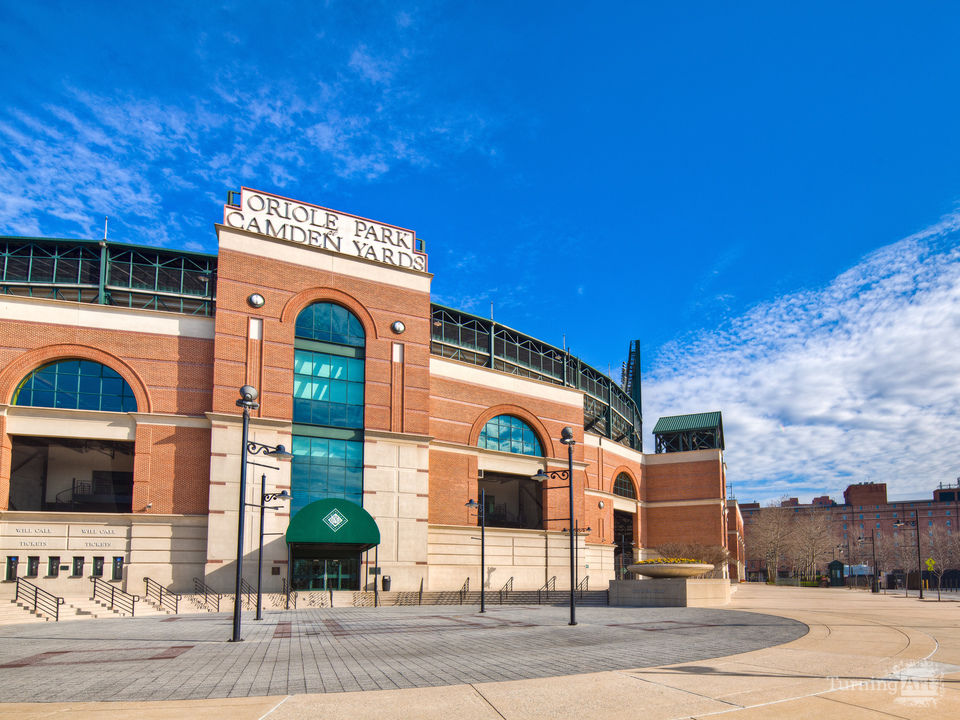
{"type": "Point", "coordinates": [670, 570]}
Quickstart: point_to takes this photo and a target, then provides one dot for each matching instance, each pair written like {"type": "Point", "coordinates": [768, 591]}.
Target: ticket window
{"type": "Point", "coordinates": [117, 568]}
{"type": "Point", "coordinates": [77, 567]}
{"type": "Point", "coordinates": [33, 566]}
{"type": "Point", "coordinates": [97, 567]}
{"type": "Point", "coordinates": [53, 566]}
{"type": "Point", "coordinates": [13, 562]}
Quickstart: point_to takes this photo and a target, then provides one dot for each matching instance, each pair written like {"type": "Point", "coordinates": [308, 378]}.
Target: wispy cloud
{"type": "Point", "coordinates": [855, 381]}
{"type": "Point", "coordinates": [142, 158]}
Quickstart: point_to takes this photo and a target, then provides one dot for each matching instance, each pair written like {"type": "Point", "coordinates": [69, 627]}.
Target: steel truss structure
{"type": "Point", "coordinates": [107, 273]}
{"type": "Point", "coordinates": [607, 409]}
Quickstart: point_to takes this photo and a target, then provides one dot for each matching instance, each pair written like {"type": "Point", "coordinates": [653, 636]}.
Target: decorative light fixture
{"type": "Point", "coordinates": [398, 327]}
{"type": "Point", "coordinates": [256, 300]}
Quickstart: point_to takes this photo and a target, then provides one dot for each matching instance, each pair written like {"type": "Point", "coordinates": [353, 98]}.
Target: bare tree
{"type": "Point", "coordinates": [769, 537]}
{"type": "Point", "coordinates": [942, 554]}
{"type": "Point", "coordinates": [812, 541]}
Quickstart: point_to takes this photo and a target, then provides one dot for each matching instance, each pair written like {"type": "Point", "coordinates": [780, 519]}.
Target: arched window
{"type": "Point", "coordinates": [507, 433]}
{"type": "Point", "coordinates": [77, 385]}
{"type": "Point", "coordinates": [328, 402]}
{"type": "Point", "coordinates": [623, 486]}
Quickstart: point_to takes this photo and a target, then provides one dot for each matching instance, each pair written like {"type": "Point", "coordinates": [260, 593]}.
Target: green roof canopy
{"type": "Point", "coordinates": [336, 522]}
{"type": "Point", "coordinates": [682, 423]}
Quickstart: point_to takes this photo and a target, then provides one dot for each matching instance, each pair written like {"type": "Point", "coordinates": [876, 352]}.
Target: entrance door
{"type": "Point", "coordinates": [623, 537]}
{"type": "Point", "coordinates": [315, 573]}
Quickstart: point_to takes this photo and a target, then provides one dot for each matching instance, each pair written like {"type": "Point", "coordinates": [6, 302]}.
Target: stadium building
{"type": "Point", "coordinates": [121, 434]}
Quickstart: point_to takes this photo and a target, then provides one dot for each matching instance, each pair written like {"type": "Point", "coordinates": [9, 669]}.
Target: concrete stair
{"type": "Point", "coordinates": [15, 613]}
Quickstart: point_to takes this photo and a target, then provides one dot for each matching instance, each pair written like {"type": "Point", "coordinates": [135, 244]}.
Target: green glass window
{"type": "Point", "coordinates": [623, 486]}
{"type": "Point", "coordinates": [77, 385]}
{"type": "Point", "coordinates": [327, 322]}
{"type": "Point", "coordinates": [327, 389]}
{"type": "Point", "coordinates": [328, 404]}
{"type": "Point", "coordinates": [507, 433]}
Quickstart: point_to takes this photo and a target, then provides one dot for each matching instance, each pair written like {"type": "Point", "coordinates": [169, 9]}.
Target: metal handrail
{"type": "Point", "coordinates": [583, 585]}
{"type": "Point", "coordinates": [118, 599]}
{"type": "Point", "coordinates": [210, 598]}
{"type": "Point", "coordinates": [165, 598]}
{"type": "Point", "coordinates": [420, 595]}
{"type": "Point", "coordinates": [32, 594]}
{"type": "Point", "coordinates": [549, 586]}
{"type": "Point", "coordinates": [464, 589]}
{"type": "Point", "coordinates": [507, 588]}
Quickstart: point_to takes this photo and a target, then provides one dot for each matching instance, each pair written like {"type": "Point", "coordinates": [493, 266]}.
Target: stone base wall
{"type": "Point", "coordinates": [670, 592]}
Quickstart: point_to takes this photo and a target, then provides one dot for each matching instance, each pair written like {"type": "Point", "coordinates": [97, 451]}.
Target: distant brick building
{"type": "Point", "coordinates": [866, 510]}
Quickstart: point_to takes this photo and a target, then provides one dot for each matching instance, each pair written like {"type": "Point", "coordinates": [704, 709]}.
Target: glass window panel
{"type": "Point", "coordinates": [321, 365]}
{"type": "Point", "coordinates": [72, 367]}
{"type": "Point", "coordinates": [319, 448]}
{"type": "Point", "coordinates": [68, 383]}
{"type": "Point", "coordinates": [354, 416]}
{"type": "Point", "coordinates": [300, 445]}
{"type": "Point", "coordinates": [354, 452]}
{"type": "Point", "coordinates": [509, 434]}
{"type": "Point", "coordinates": [321, 389]}
{"type": "Point", "coordinates": [303, 362]}
{"type": "Point", "coordinates": [354, 394]}
{"type": "Point", "coordinates": [338, 391]}
{"type": "Point", "coordinates": [338, 452]}
{"type": "Point", "coordinates": [301, 387]}
{"type": "Point", "coordinates": [338, 415]}
{"type": "Point", "coordinates": [338, 367]}
{"type": "Point", "coordinates": [354, 370]}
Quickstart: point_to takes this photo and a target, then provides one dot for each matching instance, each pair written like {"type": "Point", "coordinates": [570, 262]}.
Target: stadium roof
{"type": "Point", "coordinates": [682, 423]}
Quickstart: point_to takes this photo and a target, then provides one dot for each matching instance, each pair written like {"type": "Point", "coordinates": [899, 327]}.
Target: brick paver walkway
{"type": "Point", "coordinates": [349, 649]}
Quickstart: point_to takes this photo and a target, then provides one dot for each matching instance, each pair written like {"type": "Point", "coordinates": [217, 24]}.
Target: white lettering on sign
{"type": "Point", "coordinates": [318, 227]}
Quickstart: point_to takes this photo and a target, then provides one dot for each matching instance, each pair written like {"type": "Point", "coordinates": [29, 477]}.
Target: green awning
{"type": "Point", "coordinates": [335, 522]}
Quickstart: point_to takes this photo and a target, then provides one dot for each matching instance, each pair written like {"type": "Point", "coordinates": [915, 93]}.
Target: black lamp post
{"type": "Point", "coordinates": [265, 497]}
{"type": "Point", "coordinates": [874, 587]}
{"type": "Point", "coordinates": [482, 514]}
{"type": "Point", "coordinates": [566, 437]}
{"type": "Point", "coordinates": [248, 401]}
{"type": "Point", "coordinates": [916, 515]}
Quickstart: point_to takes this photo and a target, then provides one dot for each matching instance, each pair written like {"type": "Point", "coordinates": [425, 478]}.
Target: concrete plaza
{"type": "Point", "coordinates": [864, 656]}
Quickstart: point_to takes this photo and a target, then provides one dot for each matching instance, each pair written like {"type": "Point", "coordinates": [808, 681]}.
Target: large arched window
{"type": "Point", "coordinates": [77, 385]}
{"type": "Point", "coordinates": [507, 433]}
{"type": "Point", "coordinates": [623, 486]}
{"type": "Point", "coordinates": [328, 402]}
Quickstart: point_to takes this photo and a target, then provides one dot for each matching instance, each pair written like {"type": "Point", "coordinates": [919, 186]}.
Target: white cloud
{"type": "Point", "coordinates": [856, 381]}
{"type": "Point", "coordinates": [141, 159]}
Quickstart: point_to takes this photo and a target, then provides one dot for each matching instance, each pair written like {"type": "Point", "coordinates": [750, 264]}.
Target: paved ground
{"type": "Point", "coordinates": [865, 656]}
{"type": "Point", "coordinates": [350, 649]}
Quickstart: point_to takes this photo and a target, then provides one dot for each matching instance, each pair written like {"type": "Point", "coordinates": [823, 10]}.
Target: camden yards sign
{"type": "Point", "coordinates": [318, 227]}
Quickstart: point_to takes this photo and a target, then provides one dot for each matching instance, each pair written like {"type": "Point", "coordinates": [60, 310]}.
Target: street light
{"type": "Point", "coordinates": [566, 438]}
{"type": "Point", "coordinates": [248, 401]}
{"type": "Point", "coordinates": [482, 514]}
{"type": "Point", "coordinates": [873, 543]}
{"type": "Point", "coordinates": [916, 514]}
{"type": "Point", "coordinates": [265, 497]}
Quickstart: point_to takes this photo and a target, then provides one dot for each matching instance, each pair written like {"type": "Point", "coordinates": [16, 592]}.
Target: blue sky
{"type": "Point", "coordinates": [765, 195]}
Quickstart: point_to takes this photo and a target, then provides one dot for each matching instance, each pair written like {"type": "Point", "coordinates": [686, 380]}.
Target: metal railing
{"type": "Point", "coordinates": [38, 599]}
{"type": "Point", "coordinates": [464, 589]}
{"type": "Point", "coordinates": [548, 587]}
{"type": "Point", "coordinates": [211, 599]}
{"type": "Point", "coordinates": [583, 586]}
{"type": "Point", "coordinates": [118, 599]}
{"type": "Point", "coordinates": [164, 598]}
{"type": "Point", "coordinates": [507, 588]}
{"type": "Point", "coordinates": [420, 595]}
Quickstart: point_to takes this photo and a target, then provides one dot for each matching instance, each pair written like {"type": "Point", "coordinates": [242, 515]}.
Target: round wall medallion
{"type": "Point", "coordinates": [600, 504]}
{"type": "Point", "coordinates": [398, 327]}
{"type": "Point", "coordinates": [256, 300]}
